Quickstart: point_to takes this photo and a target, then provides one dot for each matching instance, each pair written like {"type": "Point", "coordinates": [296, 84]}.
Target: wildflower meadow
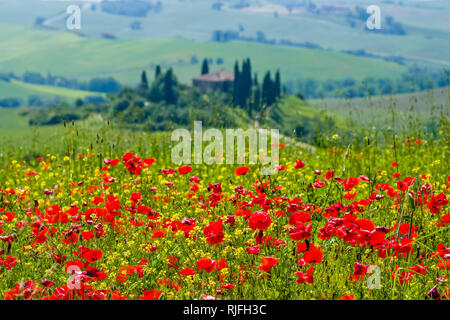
{"type": "Point", "coordinates": [102, 213]}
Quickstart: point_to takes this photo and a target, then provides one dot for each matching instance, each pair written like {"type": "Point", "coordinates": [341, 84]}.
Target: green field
{"type": "Point", "coordinates": [11, 119]}
{"type": "Point", "coordinates": [70, 55]}
{"type": "Point", "coordinates": [62, 171]}
{"type": "Point", "coordinates": [22, 90]}
{"type": "Point", "coordinates": [386, 111]}
{"type": "Point", "coordinates": [426, 24]}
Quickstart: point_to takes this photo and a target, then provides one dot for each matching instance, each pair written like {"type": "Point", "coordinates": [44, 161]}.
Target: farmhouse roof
{"type": "Point", "coordinates": [218, 76]}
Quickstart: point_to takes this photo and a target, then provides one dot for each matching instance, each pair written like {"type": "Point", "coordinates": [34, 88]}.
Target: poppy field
{"type": "Point", "coordinates": [104, 214]}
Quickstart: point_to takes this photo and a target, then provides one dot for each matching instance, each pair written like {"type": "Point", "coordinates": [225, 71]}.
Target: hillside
{"type": "Point", "coordinates": [67, 54]}
{"type": "Point", "coordinates": [11, 119]}
{"type": "Point", "coordinates": [22, 90]}
{"type": "Point", "coordinates": [379, 110]}
{"type": "Point", "coordinates": [425, 22]}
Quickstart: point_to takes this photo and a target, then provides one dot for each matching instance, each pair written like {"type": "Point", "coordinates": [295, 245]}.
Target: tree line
{"type": "Point", "coordinates": [248, 93]}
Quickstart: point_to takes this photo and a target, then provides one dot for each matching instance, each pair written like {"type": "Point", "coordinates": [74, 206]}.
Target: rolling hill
{"type": "Point", "coordinates": [71, 55]}
{"type": "Point", "coordinates": [22, 90]}
{"type": "Point", "coordinates": [390, 109]}
{"type": "Point", "coordinates": [425, 22]}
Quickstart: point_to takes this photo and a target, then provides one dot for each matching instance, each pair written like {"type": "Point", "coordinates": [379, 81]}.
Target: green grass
{"type": "Point", "coordinates": [425, 23]}
{"type": "Point", "coordinates": [11, 119]}
{"type": "Point", "coordinates": [70, 55]}
{"type": "Point", "coordinates": [390, 110]}
{"type": "Point", "coordinates": [75, 153]}
{"type": "Point", "coordinates": [23, 91]}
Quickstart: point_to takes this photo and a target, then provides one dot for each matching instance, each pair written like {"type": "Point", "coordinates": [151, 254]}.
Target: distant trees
{"type": "Point", "coordinates": [136, 25]}
{"type": "Point", "coordinates": [33, 77]}
{"type": "Point", "coordinates": [389, 25]}
{"type": "Point", "coordinates": [130, 8]}
{"type": "Point", "coordinates": [268, 90]}
{"type": "Point", "coordinates": [163, 88]}
{"type": "Point", "coordinates": [10, 103]}
{"type": "Point", "coordinates": [277, 87]}
{"type": "Point", "coordinates": [244, 79]}
{"type": "Point", "coordinates": [271, 89]}
{"type": "Point", "coordinates": [104, 85]}
{"type": "Point", "coordinates": [169, 93]}
{"type": "Point", "coordinates": [415, 79]}
{"type": "Point", "coordinates": [194, 59]}
{"type": "Point", "coordinates": [144, 82]}
{"type": "Point", "coordinates": [248, 94]}
{"type": "Point", "coordinates": [225, 35]}
{"type": "Point", "coordinates": [205, 67]}
{"type": "Point", "coordinates": [236, 84]}
{"type": "Point", "coordinates": [157, 71]}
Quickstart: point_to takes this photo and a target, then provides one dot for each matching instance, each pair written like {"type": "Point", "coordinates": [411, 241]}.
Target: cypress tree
{"type": "Point", "coordinates": [257, 99]}
{"type": "Point", "coordinates": [169, 94]}
{"type": "Point", "coordinates": [205, 67]}
{"type": "Point", "coordinates": [245, 85]}
{"type": "Point", "coordinates": [249, 77]}
{"type": "Point", "coordinates": [268, 94]}
{"type": "Point", "coordinates": [157, 71]}
{"type": "Point", "coordinates": [236, 84]}
{"type": "Point", "coordinates": [277, 84]}
{"type": "Point", "coordinates": [144, 81]}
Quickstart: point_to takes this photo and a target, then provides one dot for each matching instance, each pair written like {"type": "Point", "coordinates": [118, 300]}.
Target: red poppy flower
{"type": "Point", "coordinates": [149, 161]}
{"type": "Point", "coordinates": [151, 295]}
{"type": "Point", "coordinates": [267, 263]}
{"type": "Point", "coordinates": [329, 174]}
{"type": "Point", "coordinates": [47, 283]}
{"type": "Point", "coordinates": [127, 156]}
{"type": "Point", "coordinates": [259, 220]}
{"type": "Point", "coordinates": [184, 169]}
{"type": "Point", "coordinates": [187, 272]}
{"type": "Point", "coordinates": [350, 183]}
{"type": "Point", "coordinates": [300, 231]}
{"type": "Point", "coordinates": [92, 255]}
{"type": "Point", "coordinates": [158, 234]}
{"type": "Point", "coordinates": [228, 286]}
{"type": "Point", "coordinates": [364, 178]}
{"type": "Point", "coordinates": [253, 250]}
{"type": "Point", "coordinates": [376, 238]}
{"type": "Point", "coordinates": [213, 232]}
{"type": "Point", "coordinates": [347, 297]}
{"type": "Point", "coordinates": [299, 164]}
{"type": "Point", "coordinates": [116, 295]}
{"type": "Point", "coordinates": [70, 237]}
{"type": "Point", "coordinates": [308, 278]}
{"type": "Point", "coordinates": [220, 264]}
{"type": "Point", "coordinates": [359, 271]}
{"type": "Point", "coordinates": [206, 264]}
{"type": "Point", "coordinates": [444, 265]}
{"type": "Point", "coordinates": [241, 171]}
{"type": "Point", "coordinates": [311, 256]}
{"type": "Point", "coordinates": [445, 220]}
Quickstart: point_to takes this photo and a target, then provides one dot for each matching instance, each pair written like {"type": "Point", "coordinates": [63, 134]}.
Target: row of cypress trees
{"type": "Point", "coordinates": [163, 87]}
{"type": "Point", "coordinates": [248, 93]}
